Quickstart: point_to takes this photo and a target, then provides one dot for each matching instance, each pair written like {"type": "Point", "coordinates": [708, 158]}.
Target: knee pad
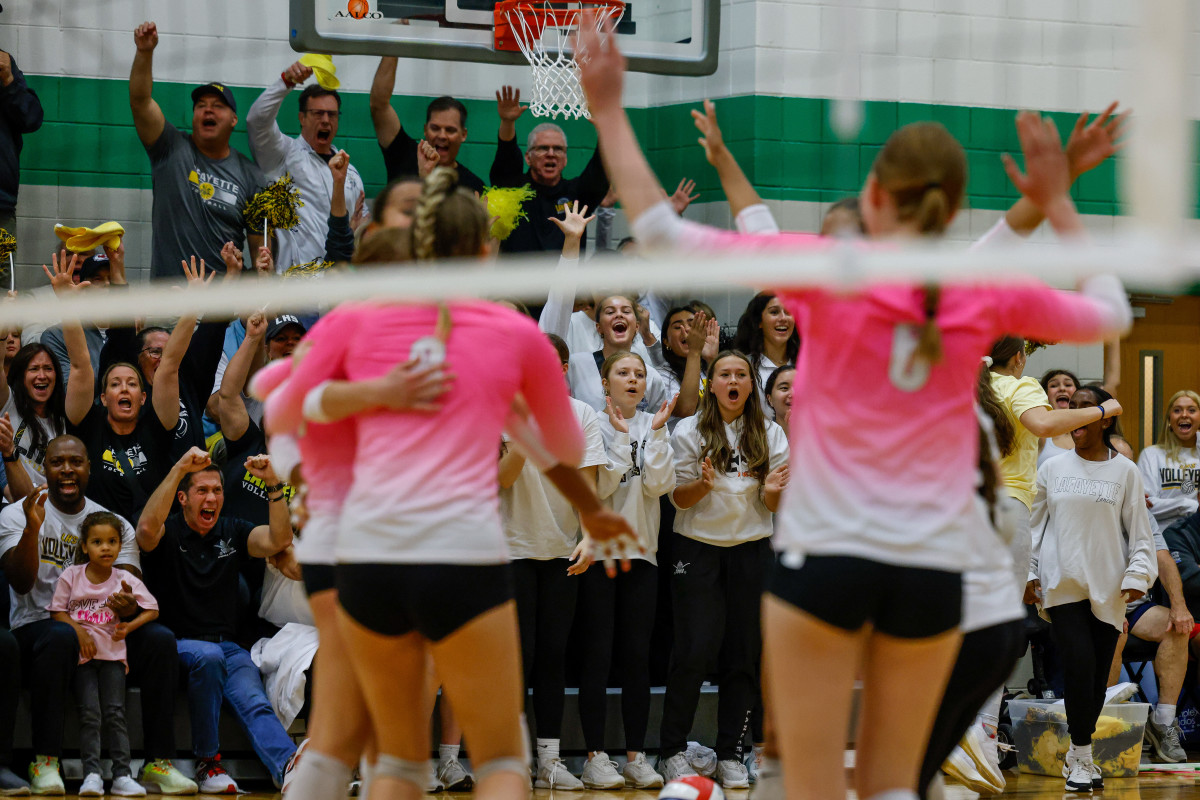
{"type": "Point", "coordinates": [503, 764]}
{"type": "Point", "coordinates": [414, 772]}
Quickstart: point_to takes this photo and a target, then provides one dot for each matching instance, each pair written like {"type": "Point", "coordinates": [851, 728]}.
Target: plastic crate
{"type": "Point", "coordinates": [1040, 736]}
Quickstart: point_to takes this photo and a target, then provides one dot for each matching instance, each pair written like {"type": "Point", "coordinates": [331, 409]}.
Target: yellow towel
{"type": "Point", "coordinates": [323, 69]}
{"type": "Point", "coordinates": [81, 240]}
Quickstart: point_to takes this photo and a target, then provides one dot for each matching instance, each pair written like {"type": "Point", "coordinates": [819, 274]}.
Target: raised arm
{"type": "Point", "coordinates": [268, 144]}
{"type": "Point", "coordinates": [166, 377]}
{"type": "Point", "coordinates": [1047, 422]}
{"type": "Point", "coordinates": [20, 563]}
{"type": "Point", "coordinates": [276, 535]}
{"type": "Point", "coordinates": [231, 409]}
{"type": "Point", "coordinates": [158, 507]}
{"type": "Point", "coordinates": [738, 190]}
{"type": "Point", "coordinates": [148, 118]}
{"type": "Point", "coordinates": [384, 117]}
{"type": "Point", "coordinates": [81, 382]}
{"type": "Point", "coordinates": [689, 384]}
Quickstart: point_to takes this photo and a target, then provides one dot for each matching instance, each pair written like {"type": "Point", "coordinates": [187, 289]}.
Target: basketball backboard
{"type": "Point", "coordinates": [666, 37]}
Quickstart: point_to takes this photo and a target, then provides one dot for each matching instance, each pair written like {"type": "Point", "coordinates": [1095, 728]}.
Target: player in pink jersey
{"type": "Point", "coordinates": [874, 540]}
{"type": "Point", "coordinates": [422, 562]}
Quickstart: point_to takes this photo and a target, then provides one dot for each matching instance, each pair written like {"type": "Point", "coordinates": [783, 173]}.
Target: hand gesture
{"type": "Point", "coordinates": [427, 159]}
{"type": "Point", "coordinates": [508, 104]}
{"type": "Point", "coordinates": [1180, 620]}
{"type": "Point", "coordinates": [1047, 177]}
{"type": "Point", "coordinates": [232, 256]}
{"type": "Point", "coordinates": [615, 417]}
{"type": "Point", "coordinates": [708, 474]}
{"type": "Point", "coordinates": [602, 74]}
{"type": "Point", "coordinates": [297, 73]}
{"type": "Point", "coordinates": [122, 603]}
{"type": "Point", "coordinates": [1129, 595]}
{"type": "Point", "coordinates": [260, 467]}
{"type": "Point", "coordinates": [412, 387]}
{"type": "Point", "coordinates": [712, 340]}
{"type": "Point", "coordinates": [574, 221]}
{"type": "Point", "coordinates": [613, 537]}
{"type": "Point", "coordinates": [196, 274]}
{"type": "Point", "coordinates": [6, 75]}
{"type": "Point", "coordinates": [360, 214]}
{"type": "Point", "coordinates": [1112, 408]}
{"type": "Point", "coordinates": [116, 263]}
{"type": "Point", "coordinates": [1033, 592]}
{"type": "Point", "coordinates": [145, 36]}
{"type": "Point", "coordinates": [710, 132]}
{"type": "Point", "coordinates": [87, 645]}
{"type": "Point", "coordinates": [34, 506]}
{"type": "Point", "coordinates": [194, 460]}
{"type": "Point", "coordinates": [264, 262]}
{"type": "Point", "coordinates": [1091, 143]}
{"type": "Point", "coordinates": [777, 479]}
{"type": "Point", "coordinates": [683, 196]}
{"type": "Point", "coordinates": [122, 630]}
{"type": "Point", "coordinates": [581, 557]}
{"type": "Point", "coordinates": [339, 165]}
{"type": "Point", "coordinates": [62, 279]}
{"type": "Point", "coordinates": [256, 326]}
{"type": "Point", "coordinates": [697, 332]}
{"type": "Point", "coordinates": [664, 412]}
{"type": "Point", "coordinates": [8, 444]}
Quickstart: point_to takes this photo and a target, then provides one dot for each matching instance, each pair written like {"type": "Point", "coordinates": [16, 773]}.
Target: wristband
{"type": "Point", "coordinates": [1101, 412]}
{"type": "Point", "coordinates": [278, 487]}
{"type": "Point", "coordinates": [283, 77]}
{"type": "Point", "coordinates": [12, 459]}
{"type": "Point", "coordinates": [276, 499]}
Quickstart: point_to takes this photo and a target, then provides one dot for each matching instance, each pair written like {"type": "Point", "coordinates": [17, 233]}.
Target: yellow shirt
{"type": "Point", "coordinates": [1019, 467]}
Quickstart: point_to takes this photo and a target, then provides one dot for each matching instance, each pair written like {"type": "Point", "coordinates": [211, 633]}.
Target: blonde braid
{"type": "Point", "coordinates": [440, 184]}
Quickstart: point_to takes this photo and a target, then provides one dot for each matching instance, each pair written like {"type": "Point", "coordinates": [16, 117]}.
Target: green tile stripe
{"type": "Point", "coordinates": [783, 143]}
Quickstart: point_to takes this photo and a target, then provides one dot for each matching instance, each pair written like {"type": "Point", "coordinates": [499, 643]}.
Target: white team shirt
{"type": "Point", "coordinates": [583, 376]}
{"type": "Point", "coordinates": [28, 457]}
{"type": "Point", "coordinates": [640, 469]}
{"type": "Point", "coordinates": [1171, 484]}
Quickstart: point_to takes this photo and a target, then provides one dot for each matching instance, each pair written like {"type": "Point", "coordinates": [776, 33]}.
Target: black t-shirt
{"type": "Point", "coordinates": [195, 578]}
{"type": "Point", "coordinates": [245, 495]}
{"type": "Point", "coordinates": [400, 161]}
{"type": "Point", "coordinates": [126, 468]}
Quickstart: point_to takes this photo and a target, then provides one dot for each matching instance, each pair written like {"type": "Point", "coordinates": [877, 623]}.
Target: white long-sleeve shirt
{"type": "Point", "coordinates": [583, 376]}
{"type": "Point", "coordinates": [733, 512]}
{"type": "Point", "coordinates": [1172, 483]}
{"type": "Point", "coordinates": [277, 154]}
{"type": "Point", "coordinates": [576, 328]}
{"type": "Point", "coordinates": [1091, 534]}
{"type": "Point", "coordinates": [640, 469]}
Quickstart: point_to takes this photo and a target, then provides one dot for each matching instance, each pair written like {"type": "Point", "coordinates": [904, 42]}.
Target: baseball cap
{"type": "Point", "coordinates": [218, 89]}
{"type": "Point", "coordinates": [279, 323]}
{"type": "Point", "coordinates": [92, 265]}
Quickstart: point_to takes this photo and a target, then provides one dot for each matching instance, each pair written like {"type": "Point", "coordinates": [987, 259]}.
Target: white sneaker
{"type": "Point", "coordinates": [753, 761]}
{"type": "Point", "coordinates": [289, 769]}
{"type": "Point", "coordinates": [126, 786]}
{"type": "Point", "coordinates": [1120, 693]}
{"type": "Point", "coordinates": [600, 772]}
{"type": "Point", "coordinates": [984, 751]}
{"type": "Point", "coordinates": [454, 775]}
{"type": "Point", "coordinates": [640, 775]}
{"type": "Point", "coordinates": [676, 767]}
{"type": "Point", "coordinates": [703, 759]}
{"type": "Point", "coordinates": [961, 767]}
{"type": "Point", "coordinates": [732, 774]}
{"type": "Point", "coordinates": [1078, 772]}
{"type": "Point", "coordinates": [435, 784]}
{"type": "Point", "coordinates": [92, 786]}
{"type": "Point", "coordinates": [212, 777]}
{"type": "Point", "coordinates": [555, 775]}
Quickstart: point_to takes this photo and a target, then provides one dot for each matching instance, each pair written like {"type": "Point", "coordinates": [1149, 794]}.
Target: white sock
{"type": "Point", "coordinates": [319, 777]}
{"type": "Point", "coordinates": [1164, 714]}
{"type": "Point", "coordinates": [547, 751]}
{"type": "Point", "coordinates": [449, 752]}
{"type": "Point", "coordinates": [989, 715]}
{"type": "Point", "coordinates": [1081, 751]}
{"type": "Point", "coordinates": [366, 770]}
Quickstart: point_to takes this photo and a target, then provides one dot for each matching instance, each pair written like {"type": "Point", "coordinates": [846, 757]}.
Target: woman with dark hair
{"type": "Point", "coordinates": [779, 391]}
{"type": "Point", "coordinates": [766, 332]}
{"type": "Point", "coordinates": [688, 342]}
{"type": "Point", "coordinates": [32, 397]}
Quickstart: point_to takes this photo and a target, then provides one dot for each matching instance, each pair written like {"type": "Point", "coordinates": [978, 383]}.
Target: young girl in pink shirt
{"type": "Point", "coordinates": [81, 599]}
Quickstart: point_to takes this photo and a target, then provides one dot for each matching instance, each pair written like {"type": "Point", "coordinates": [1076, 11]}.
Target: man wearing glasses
{"type": "Point", "coordinates": [306, 157]}
{"type": "Point", "coordinates": [546, 157]}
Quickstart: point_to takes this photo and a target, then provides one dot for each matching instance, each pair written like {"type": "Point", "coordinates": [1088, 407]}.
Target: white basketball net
{"type": "Point", "coordinates": [543, 32]}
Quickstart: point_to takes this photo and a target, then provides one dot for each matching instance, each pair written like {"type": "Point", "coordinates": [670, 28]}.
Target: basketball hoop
{"type": "Point", "coordinates": [542, 30]}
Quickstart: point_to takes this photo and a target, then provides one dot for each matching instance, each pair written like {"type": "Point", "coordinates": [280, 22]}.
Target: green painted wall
{"type": "Point", "coordinates": [783, 143]}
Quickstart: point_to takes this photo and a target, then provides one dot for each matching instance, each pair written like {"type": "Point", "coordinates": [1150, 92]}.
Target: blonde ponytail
{"type": "Point", "coordinates": [449, 222]}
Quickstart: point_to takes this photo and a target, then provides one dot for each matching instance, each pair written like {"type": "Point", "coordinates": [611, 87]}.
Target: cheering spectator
{"type": "Point", "coordinates": [546, 156]}
{"type": "Point", "coordinates": [201, 184]}
{"type": "Point", "coordinates": [20, 113]}
{"type": "Point", "coordinates": [306, 157]}
{"type": "Point", "coordinates": [445, 129]}
{"type": "Point", "coordinates": [94, 270]}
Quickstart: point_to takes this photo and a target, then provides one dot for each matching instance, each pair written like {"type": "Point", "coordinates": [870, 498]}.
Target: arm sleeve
{"type": "Point", "coordinates": [400, 156]}
{"type": "Point", "coordinates": [999, 235]}
{"type": "Point", "coordinates": [324, 362]}
{"type": "Point", "coordinates": [167, 141]}
{"type": "Point", "coordinates": [658, 464]}
{"type": "Point", "coordinates": [508, 166]}
{"type": "Point", "coordinates": [141, 594]}
{"type": "Point", "coordinates": [618, 463]}
{"type": "Point", "coordinates": [780, 451]}
{"type": "Point", "coordinates": [268, 145]}
{"type": "Point", "coordinates": [594, 454]}
{"type": "Point", "coordinates": [544, 390]}
{"type": "Point", "coordinates": [1142, 570]}
{"type": "Point", "coordinates": [560, 301]}
{"type": "Point", "coordinates": [129, 554]}
{"type": "Point", "coordinates": [756, 220]}
{"type": "Point", "coordinates": [661, 229]}
{"type": "Point", "coordinates": [339, 241]}
{"type": "Point", "coordinates": [20, 105]}
{"type": "Point", "coordinates": [1029, 394]}
{"type": "Point", "coordinates": [1150, 463]}
{"type": "Point", "coordinates": [1037, 524]}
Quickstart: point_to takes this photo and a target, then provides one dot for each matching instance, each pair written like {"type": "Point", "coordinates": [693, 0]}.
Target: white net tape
{"type": "Point", "coordinates": [543, 32]}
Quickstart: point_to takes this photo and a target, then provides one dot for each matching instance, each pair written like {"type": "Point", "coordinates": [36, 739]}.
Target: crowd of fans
{"type": "Point", "coordinates": [138, 448]}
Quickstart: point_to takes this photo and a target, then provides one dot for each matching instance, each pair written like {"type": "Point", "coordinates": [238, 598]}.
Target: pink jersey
{"type": "Point", "coordinates": [883, 448]}
{"type": "Point", "coordinates": [84, 602]}
{"type": "Point", "coordinates": [425, 484]}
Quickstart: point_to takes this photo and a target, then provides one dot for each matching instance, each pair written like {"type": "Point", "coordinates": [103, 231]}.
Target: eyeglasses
{"type": "Point", "coordinates": [545, 149]}
{"type": "Point", "coordinates": [316, 112]}
{"type": "Point", "coordinates": [155, 352]}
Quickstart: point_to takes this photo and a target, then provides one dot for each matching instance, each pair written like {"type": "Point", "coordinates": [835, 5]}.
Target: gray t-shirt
{"type": "Point", "coordinates": [198, 202]}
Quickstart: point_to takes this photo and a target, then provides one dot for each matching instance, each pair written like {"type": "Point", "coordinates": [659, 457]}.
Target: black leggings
{"type": "Point", "coordinates": [1086, 646]}
{"type": "Point", "coordinates": [717, 596]}
{"type": "Point", "coordinates": [985, 660]}
{"type": "Point", "coordinates": [627, 601]}
{"type": "Point", "coordinates": [545, 610]}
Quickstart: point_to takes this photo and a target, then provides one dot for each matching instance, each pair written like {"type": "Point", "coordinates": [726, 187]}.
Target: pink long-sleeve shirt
{"type": "Point", "coordinates": [424, 486]}
{"type": "Point", "coordinates": [883, 451]}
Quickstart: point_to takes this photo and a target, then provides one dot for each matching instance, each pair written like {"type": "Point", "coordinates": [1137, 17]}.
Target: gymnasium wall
{"type": "Point", "coordinates": [967, 63]}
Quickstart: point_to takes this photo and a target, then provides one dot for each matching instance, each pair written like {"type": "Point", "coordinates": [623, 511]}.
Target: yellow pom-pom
{"type": "Point", "coordinates": [308, 268]}
{"type": "Point", "coordinates": [8, 244]}
{"type": "Point", "coordinates": [277, 204]}
{"type": "Point", "coordinates": [507, 206]}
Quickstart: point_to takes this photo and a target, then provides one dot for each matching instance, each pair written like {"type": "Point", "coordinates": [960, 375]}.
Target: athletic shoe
{"type": "Point", "coordinates": [1121, 693]}
{"type": "Point", "coordinates": [454, 775]}
{"type": "Point", "coordinates": [753, 761]}
{"type": "Point", "coordinates": [984, 751]}
{"type": "Point", "coordinates": [676, 767]}
{"type": "Point", "coordinates": [961, 767]}
{"type": "Point", "coordinates": [937, 788]}
{"type": "Point", "coordinates": [732, 774]}
{"type": "Point", "coordinates": [435, 785]}
{"type": "Point", "coordinates": [1097, 779]}
{"type": "Point", "coordinates": [555, 775]}
{"type": "Point", "coordinates": [292, 763]}
{"type": "Point", "coordinates": [213, 778]}
{"type": "Point", "coordinates": [600, 772]}
{"type": "Point", "coordinates": [126, 786]}
{"type": "Point", "coordinates": [1165, 741]}
{"type": "Point", "coordinates": [161, 777]}
{"type": "Point", "coordinates": [1078, 772]}
{"type": "Point", "coordinates": [44, 777]}
{"type": "Point", "coordinates": [11, 784]}
{"type": "Point", "coordinates": [703, 759]}
{"type": "Point", "coordinates": [770, 781]}
{"type": "Point", "coordinates": [639, 774]}
{"type": "Point", "coordinates": [355, 788]}
{"type": "Point", "coordinates": [92, 786]}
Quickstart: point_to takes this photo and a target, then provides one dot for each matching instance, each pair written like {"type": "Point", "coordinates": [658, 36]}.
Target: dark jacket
{"type": "Point", "coordinates": [20, 113]}
{"type": "Point", "coordinates": [1183, 540]}
{"type": "Point", "coordinates": [536, 233]}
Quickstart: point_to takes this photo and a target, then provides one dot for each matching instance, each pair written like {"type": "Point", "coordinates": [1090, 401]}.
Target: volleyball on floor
{"type": "Point", "coordinates": [692, 787]}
